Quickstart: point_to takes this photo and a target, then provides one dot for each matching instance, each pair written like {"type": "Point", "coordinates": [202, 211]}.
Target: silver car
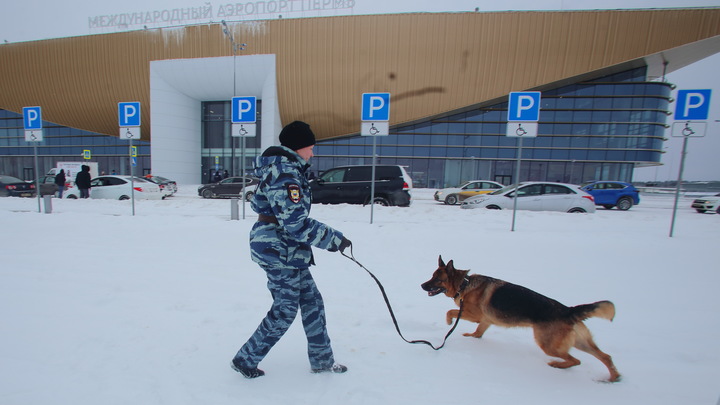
{"type": "Point", "coordinates": [536, 196]}
{"type": "Point", "coordinates": [707, 204]}
{"type": "Point", "coordinates": [120, 188]}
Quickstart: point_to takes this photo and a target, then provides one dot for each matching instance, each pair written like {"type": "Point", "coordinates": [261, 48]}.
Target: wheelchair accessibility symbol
{"type": "Point", "coordinates": [374, 128]}
{"type": "Point", "coordinates": [683, 129]}
{"type": "Point", "coordinates": [687, 131]}
{"type": "Point", "coordinates": [130, 132]}
{"type": "Point", "coordinates": [522, 129]}
{"type": "Point", "coordinates": [243, 130]}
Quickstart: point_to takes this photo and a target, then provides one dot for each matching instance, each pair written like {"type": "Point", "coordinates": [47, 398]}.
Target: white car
{"type": "Point", "coordinates": [453, 195]}
{"type": "Point", "coordinates": [707, 204]}
{"type": "Point", "coordinates": [536, 196]}
{"type": "Point", "coordinates": [119, 188]}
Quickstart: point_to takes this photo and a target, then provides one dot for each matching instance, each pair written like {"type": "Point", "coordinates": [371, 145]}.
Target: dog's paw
{"type": "Point", "coordinates": [610, 380]}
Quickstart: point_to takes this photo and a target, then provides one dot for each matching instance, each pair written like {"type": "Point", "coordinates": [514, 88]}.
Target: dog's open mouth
{"type": "Point", "coordinates": [435, 291]}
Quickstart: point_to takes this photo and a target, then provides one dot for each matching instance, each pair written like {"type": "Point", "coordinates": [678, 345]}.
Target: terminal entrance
{"type": "Point", "coordinates": [221, 153]}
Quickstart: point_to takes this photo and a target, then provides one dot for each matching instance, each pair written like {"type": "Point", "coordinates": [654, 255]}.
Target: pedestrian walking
{"type": "Point", "coordinates": [281, 243]}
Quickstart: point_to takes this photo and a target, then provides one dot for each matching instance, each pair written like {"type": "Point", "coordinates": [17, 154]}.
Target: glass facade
{"type": "Point", "coordinates": [594, 130]}
{"type": "Point", "coordinates": [64, 144]}
{"type": "Point", "coordinates": [220, 151]}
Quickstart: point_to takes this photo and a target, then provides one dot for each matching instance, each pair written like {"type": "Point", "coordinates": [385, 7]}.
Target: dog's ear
{"type": "Point", "coordinates": [441, 263]}
{"type": "Point", "coordinates": [450, 266]}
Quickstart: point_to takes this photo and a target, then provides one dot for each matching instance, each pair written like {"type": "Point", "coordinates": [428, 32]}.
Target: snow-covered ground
{"type": "Point", "coordinates": [102, 307]}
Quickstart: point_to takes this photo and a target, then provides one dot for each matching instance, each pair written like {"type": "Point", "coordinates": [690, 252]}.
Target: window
{"type": "Point", "coordinates": [556, 189]}
{"type": "Point", "coordinates": [333, 176]}
{"type": "Point", "coordinates": [529, 191]}
{"type": "Point", "coordinates": [361, 173]}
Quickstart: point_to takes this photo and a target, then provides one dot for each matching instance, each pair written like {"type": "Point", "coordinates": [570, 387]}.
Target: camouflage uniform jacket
{"type": "Point", "coordinates": [284, 192]}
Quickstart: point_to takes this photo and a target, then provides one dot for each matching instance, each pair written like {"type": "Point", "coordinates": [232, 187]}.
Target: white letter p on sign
{"type": "Point", "coordinates": [524, 103]}
{"type": "Point", "coordinates": [376, 104]}
{"type": "Point", "coordinates": [689, 105]}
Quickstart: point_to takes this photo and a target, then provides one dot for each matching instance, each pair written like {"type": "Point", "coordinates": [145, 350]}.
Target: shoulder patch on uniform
{"type": "Point", "coordinates": [294, 194]}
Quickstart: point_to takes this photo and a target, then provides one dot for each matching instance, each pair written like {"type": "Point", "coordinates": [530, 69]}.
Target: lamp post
{"type": "Point", "coordinates": [235, 48]}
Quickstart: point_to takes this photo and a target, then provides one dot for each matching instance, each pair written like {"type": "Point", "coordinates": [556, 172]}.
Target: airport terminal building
{"type": "Point", "coordinates": [605, 103]}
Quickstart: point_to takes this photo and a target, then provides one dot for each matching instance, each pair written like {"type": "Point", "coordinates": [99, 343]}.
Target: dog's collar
{"type": "Point", "coordinates": [463, 285]}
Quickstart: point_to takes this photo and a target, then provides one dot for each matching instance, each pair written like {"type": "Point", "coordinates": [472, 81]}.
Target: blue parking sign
{"type": "Point", "coordinates": [524, 106]}
{"type": "Point", "coordinates": [32, 117]}
{"type": "Point", "coordinates": [129, 114]}
{"type": "Point", "coordinates": [693, 105]}
{"type": "Point", "coordinates": [376, 107]}
{"type": "Point", "coordinates": [244, 110]}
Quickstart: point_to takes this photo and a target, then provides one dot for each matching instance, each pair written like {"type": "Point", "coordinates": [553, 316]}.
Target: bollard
{"type": "Point", "coordinates": [234, 209]}
{"type": "Point", "coordinates": [48, 203]}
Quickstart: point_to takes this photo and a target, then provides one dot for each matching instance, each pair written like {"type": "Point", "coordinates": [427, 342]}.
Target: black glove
{"type": "Point", "coordinates": [344, 244]}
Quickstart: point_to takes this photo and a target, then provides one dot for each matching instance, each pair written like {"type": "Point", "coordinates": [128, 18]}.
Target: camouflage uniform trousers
{"type": "Point", "coordinates": [291, 289]}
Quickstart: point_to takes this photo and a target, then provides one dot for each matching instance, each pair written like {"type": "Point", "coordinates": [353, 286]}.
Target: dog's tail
{"type": "Point", "coordinates": [600, 309]}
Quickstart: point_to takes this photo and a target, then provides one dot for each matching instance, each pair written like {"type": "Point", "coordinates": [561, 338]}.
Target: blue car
{"type": "Point", "coordinates": [611, 194]}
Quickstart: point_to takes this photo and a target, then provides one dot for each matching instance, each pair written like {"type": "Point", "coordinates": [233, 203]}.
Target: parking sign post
{"type": "Point", "coordinates": [32, 121]}
{"type": "Point", "coordinates": [375, 121]}
{"type": "Point", "coordinates": [693, 107]}
{"type": "Point", "coordinates": [129, 119]}
{"type": "Point", "coordinates": [523, 115]}
{"type": "Point", "coordinates": [244, 118]}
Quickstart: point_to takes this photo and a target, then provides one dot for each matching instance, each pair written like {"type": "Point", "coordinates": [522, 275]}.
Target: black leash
{"type": "Point", "coordinates": [392, 314]}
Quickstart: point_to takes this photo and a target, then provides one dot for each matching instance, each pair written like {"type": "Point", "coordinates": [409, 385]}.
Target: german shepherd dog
{"type": "Point", "coordinates": [489, 301]}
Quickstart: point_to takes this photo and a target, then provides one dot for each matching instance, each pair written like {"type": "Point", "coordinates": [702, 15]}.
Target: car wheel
{"type": "Point", "coordinates": [717, 211]}
{"type": "Point", "coordinates": [208, 194]}
{"type": "Point", "coordinates": [451, 199]}
{"type": "Point", "coordinates": [381, 201]}
{"type": "Point", "coordinates": [123, 197]}
{"type": "Point", "coordinates": [576, 210]}
{"type": "Point", "coordinates": [493, 207]}
{"type": "Point", "coordinates": [624, 204]}
{"type": "Point", "coordinates": [608, 206]}
{"type": "Point", "coordinates": [700, 211]}
{"type": "Point", "coordinates": [74, 197]}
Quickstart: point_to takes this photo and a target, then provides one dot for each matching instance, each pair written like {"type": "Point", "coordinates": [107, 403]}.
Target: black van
{"type": "Point", "coordinates": [351, 185]}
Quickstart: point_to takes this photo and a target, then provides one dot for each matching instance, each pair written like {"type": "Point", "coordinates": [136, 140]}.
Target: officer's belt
{"type": "Point", "coordinates": [267, 218]}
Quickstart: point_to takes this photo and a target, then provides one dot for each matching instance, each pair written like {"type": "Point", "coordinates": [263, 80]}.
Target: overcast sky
{"type": "Point", "coordinates": [31, 20]}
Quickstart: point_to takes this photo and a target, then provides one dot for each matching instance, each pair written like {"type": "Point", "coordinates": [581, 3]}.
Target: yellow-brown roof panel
{"type": "Point", "coordinates": [430, 63]}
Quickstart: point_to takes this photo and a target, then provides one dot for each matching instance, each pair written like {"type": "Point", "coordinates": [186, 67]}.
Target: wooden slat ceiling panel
{"type": "Point", "coordinates": [430, 63]}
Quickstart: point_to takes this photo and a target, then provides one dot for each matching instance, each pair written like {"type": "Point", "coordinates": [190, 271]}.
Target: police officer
{"type": "Point", "coordinates": [280, 242]}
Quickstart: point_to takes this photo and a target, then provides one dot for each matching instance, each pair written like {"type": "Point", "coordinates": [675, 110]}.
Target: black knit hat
{"type": "Point", "coordinates": [297, 135]}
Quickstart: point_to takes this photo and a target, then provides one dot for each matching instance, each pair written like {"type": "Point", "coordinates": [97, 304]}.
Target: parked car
{"type": "Point", "coordinates": [117, 187]}
{"type": "Point", "coordinates": [536, 196]}
{"type": "Point", "coordinates": [13, 187]}
{"type": "Point", "coordinates": [707, 204]}
{"type": "Point", "coordinates": [352, 185]}
{"type": "Point", "coordinates": [611, 194]}
{"type": "Point", "coordinates": [167, 187]}
{"type": "Point", "coordinates": [47, 185]}
{"type": "Point", "coordinates": [454, 195]}
{"type": "Point", "coordinates": [230, 187]}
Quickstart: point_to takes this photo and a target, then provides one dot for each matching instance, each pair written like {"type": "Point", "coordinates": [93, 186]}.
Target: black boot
{"type": "Point", "coordinates": [335, 368]}
{"type": "Point", "coordinates": [247, 372]}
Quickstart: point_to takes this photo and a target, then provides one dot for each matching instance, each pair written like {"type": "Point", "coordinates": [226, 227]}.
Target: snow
{"type": "Point", "coordinates": [102, 307]}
